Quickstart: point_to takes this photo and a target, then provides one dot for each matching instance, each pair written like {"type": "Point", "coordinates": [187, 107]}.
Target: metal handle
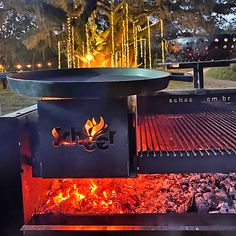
{"type": "Point", "coordinates": [185, 77]}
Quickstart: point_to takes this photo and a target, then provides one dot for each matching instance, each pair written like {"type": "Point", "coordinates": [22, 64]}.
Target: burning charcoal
{"type": "Point", "coordinates": [232, 176]}
{"type": "Point", "coordinates": [234, 204]}
{"type": "Point", "coordinates": [181, 209]}
{"type": "Point", "coordinates": [194, 186]}
{"type": "Point", "coordinates": [196, 178]}
{"type": "Point", "coordinates": [221, 195]}
{"type": "Point", "coordinates": [204, 187]}
{"type": "Point", "coordinates": [176, 193]}
{"type": "Point", "coordinates": [204, 175]}
{"type": "Point", "coordinates": [184, 181]}
{"type": "Point", "coordinates": [207, 196]}
{"type": "Point", "coordinates": [232, 211]}
{"type": "Point", "coordinates": [225, 185]}
{"type": "Point", "coordinates": [232, 193]}
{"type": "Point", "coordinates": [197, 195]}
{"type": "Point", "coordinates": [185, 188]}
{"type": "Point", "coordinates": [221, 176]}
{"type": "Point", "coordinates": [203, 181]}
{"type": "Point", "coordinates": [202, 205]}
{"type": "Point", "coordinates": [223, 207]}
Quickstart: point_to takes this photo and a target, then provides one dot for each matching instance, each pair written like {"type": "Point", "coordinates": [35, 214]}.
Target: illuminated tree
{"type": "Point", "coordinates": [43, 22]}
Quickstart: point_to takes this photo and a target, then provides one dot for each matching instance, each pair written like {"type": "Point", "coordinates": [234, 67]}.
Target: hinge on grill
{"type": "Point", "coordinates": [41, 169]}
{"type": "Point", "coordinates": [200, 91]}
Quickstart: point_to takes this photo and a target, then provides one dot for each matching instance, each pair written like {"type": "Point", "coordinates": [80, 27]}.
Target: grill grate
{"type": "Point", "coordinates": [202, 133]}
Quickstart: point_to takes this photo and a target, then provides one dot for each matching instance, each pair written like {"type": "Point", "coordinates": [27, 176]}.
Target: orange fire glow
{"type": "Point", "coordinates": [110, 196]}
{"type": "Point", "coordinates": [92, 129]}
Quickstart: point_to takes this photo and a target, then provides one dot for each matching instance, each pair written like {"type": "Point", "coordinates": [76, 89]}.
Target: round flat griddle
{"type": "Point", "coordinates": [88, 82]}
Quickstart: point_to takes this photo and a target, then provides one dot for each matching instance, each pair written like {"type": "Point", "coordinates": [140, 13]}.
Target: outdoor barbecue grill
{"type": "Point", "coordinates": [115, 122]}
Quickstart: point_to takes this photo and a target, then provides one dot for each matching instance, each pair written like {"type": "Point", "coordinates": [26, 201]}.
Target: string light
{"type": "Point", "coordinates": [89, 57]}
{"type": "Point", "coordinates": [120, 59]}
{"type": "Point", "coordinates": [112, 40]}
{"type": "Point", "coordinates": [127, 33]}
{"type": "Point", "coordinates": [134, 40]}
{"type": "Point", "coordinates": [122, 51]}
{"type": "Point", "coordinates": [73, 45]}
{"type": "Point", "coordinates": [29, 66]}
{"type": "Point", "coordinates": [87, 43]}
{"type": "Point", "coordinates": [83, 51]}
{"type": "Point", "coordinates": [2, 68]}
{"type": "Point", "coordinates": [124, 45]}
{"type": "Point", "coordinates": [69, 49]}
{"type": "Point", "coordinates": [149, 43]}
{"type": "Point", "coordinates": [145, 53]}
{"type": "Point", "coordinates": [77, 57]}
{"type": "Point", "coordinates": [120, 54]}
{"type": "Point", "coordinates": [136, 46]}
{"type": "Point", "coordinates": [116, 59]}
{"type": "Point", "coordinates": [18, 66]}
{"type": "Point", "coordinates": [39, 65]}
{"type": "Point", "coordinates": [59, 54]}
{"type": "Point", "coordinates": [49, 64]}
{"type": "Point", "coordinates": [141, 47]}
{"type": "Point", "coordinates": [162, 42]}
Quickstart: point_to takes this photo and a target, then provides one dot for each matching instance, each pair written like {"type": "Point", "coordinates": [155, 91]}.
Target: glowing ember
{"type": "Point", "coordinates": [145, 194]}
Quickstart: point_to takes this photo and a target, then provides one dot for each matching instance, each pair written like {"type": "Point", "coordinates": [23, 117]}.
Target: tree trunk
{"type": "Point", "coordinates": [33, 59]}
{"type": "Point", "coordinates": [43, 54]}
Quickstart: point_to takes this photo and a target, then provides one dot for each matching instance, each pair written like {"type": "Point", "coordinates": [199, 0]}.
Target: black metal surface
{"type": "Point", "coordinates": [90, 82]}
{"type": "Point", "coordinates": [170, 164]}
{"type": "Point", "coordinates": [11, 204]}
{"type": "Point", "coordinates": [187, 101]}
{"type": "Point", "coordinates": [128, 233]}
{"type": "Point", "coordinates": [107, 155]}
{"type": "Point", "coordinates": [135, 222]}
{"type": "Point", "coordinates": [11, 149]}
{"type": "Point", "coordinates": [203, 48]}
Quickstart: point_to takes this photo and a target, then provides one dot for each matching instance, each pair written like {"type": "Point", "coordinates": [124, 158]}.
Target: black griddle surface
{"type": "Point", "coordinates": [88, 82]}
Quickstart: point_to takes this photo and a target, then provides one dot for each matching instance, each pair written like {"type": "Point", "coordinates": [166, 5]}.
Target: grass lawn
{"type": "Point", "coordinates": [11, 102]}
{"type": "Point", "coordinates": [222, 73]}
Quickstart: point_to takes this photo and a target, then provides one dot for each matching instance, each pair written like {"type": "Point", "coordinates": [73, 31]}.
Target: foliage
{"type": "Point", "coordinates": [195, 17]}
{"type": "Point", "coordinates": [233, 67]}
{"type": "Point", "coordinates": [40, 24]}
{"type": "Point", "coordinates": [10, 102]}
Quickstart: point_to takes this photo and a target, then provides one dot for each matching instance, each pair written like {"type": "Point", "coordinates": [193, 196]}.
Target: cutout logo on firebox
{"type": "Point", "coordinates": [95, 135]}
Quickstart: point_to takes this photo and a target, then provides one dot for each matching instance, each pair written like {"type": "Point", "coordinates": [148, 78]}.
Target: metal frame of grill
{"type": "Point", "coordinates": [189, 133]}
{"type": "Point", "coordinates": [167, 122]}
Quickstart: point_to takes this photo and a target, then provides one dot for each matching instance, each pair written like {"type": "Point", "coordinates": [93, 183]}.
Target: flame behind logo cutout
{"type": "Point", "coordinates": [92, 129]}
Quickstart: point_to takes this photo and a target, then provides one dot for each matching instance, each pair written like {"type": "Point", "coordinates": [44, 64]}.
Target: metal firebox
{"type": "Point", "coordinates": [83, 138]}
